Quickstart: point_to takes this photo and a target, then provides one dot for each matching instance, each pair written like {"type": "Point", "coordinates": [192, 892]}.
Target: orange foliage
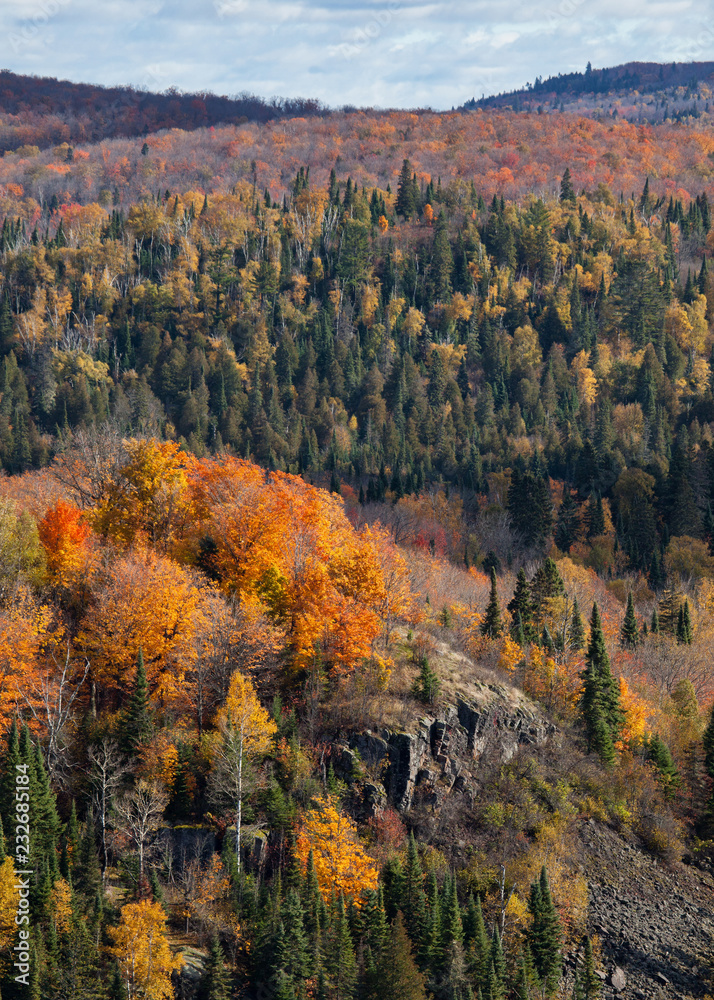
{"type": "Point", "coordinates": [147, 602]}
{"type": "Point", "coordinates": [63, 533]}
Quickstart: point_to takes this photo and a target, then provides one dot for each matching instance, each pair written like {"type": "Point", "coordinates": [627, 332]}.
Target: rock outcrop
{"type": "Point", "coordinates": [445, 751]}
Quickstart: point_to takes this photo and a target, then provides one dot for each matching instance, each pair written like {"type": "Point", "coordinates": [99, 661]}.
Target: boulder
{"type": "Point", "coordinates": [618, 980]}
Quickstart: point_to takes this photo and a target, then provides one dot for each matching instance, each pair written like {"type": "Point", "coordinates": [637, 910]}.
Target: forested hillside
{"type": "Point", "coordinates": [357, 560]}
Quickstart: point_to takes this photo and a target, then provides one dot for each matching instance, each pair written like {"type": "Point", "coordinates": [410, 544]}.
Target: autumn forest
{"type": "Point", "coordinates": [338, 447]}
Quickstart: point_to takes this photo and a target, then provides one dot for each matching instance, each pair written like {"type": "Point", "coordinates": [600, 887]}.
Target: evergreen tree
{"type": "Point", "coordinates": [340, 964]}
{"type": "Point", "coordinates": [591, 984]}
{"type": "Point", "coordinates": [567, 526]}
{"type": "Point", "coordinates": [654, 624]}
{"type": "Point", "coordinates": [684, 624]}
{"type": "Point", "coordinates": [413, 898]}
{"type": "Point", "coordinates": [297, 960]}
{"type": "Point", "coordinates": [522, 610]}
{"type": "Point", "coordinates": [426, 686]}
{"type": "Point", "coordinates": [595, 516]}
{"type": "Point", "coordinates": [545, 935]}
{"type": "Point", "coordinates": [451, 927]}
{"type": "Point", "coordinates": [567, 191]}
{"type": "Point", "coordinates": [658, 753]}
{"type": "Point", "coordinates": [491, 624]}
{"type": "Point", "coordinates": [397, 976]}
{"type": "Point", "coordinates": [137, 723]}
{"type": "Point", "coordinates": [629, 633]}
{"type": "Point", "coordinates": [576, 629]}
{"type": "Point", "coordinates": [546, 584]}
{"type": "Point", "coordinates": [406, 202]}
{"type": "Point", "coordinates": [600, 700]}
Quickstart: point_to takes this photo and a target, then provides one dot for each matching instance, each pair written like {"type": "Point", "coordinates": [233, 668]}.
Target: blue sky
{"type": "Point", "coordinates": [387, 53]}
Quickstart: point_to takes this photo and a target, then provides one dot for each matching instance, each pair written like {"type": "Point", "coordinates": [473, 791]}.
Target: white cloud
{"type": "Point", "coordinates": [389, 52]}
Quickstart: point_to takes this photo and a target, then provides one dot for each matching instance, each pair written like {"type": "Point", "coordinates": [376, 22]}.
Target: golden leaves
{"type": "Point", "coordinates": [341, 864]}
{"type": "Point", "coordinates": [142, 950]}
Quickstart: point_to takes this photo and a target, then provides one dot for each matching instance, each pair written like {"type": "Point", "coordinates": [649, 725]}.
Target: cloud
{"type": "Point", "coordinates": [393, 53]}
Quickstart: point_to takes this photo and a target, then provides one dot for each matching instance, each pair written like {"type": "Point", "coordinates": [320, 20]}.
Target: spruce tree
{"type": "Point", "coordinates": [451, 927]}
{"type": "Point", "coordinates": [600, 700]}
{"type": "Point", "coordinates": [576, 629]}
{"type": "Point", "coordinates": [545, 935]}
{"type": "Point", "coordinates": [658, 753]}
{"type": "Point", "coordinates": [297, 960]}
{"type": "Point", "coordinates": [215, 982]}
{"type": "Point", "coordinates": [520, 605]}
{"type": "Point", "coordinates": [591, 984]}
{"type": "Point", "coordinates": [654, 624]}
{"type": "Point", "coordinates": [137, 724]}
{"type": "Point", "coordinates": [397, 976]}
{"type": "Point", "coordinates": [629, 633]}
{"type": "Point", "coordinates": [567, 525]}
{"type": "Point", "coordinates": [491, 625]}
{"type": "Point", "coordinates": [480, 949]}
{"type": "Point", "coordinates": [340, 963]}
{"type": "Point", "coordinates": [413, 904]}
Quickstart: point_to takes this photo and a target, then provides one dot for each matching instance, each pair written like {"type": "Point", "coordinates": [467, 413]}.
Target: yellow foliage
{"type": "Point", "coordinates": [149, 495]}
{"type": "Point", "coordinates": [61, 904]}
{"type": "Point", "coordinates": [140, 947]}
{"type": "Point", "coordinates": [9, 901]}
{"type": "Point", "coordinates": [636, 715]}
{"type": "Point", "coordinates": [511, 655]}
{"type": "Point", "coordinates": [569, 891]}
{"type": "Point", "coordinates": [244, 713]}
{"type": "Point", "coordinates": [341, 863]}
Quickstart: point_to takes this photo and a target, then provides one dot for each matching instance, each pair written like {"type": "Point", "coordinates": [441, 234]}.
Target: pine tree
{"type": "Point", "coordinates": [629, 633]}
{"type": "Point", "coordinates": [600, 700]}
{"type": "Point", "coordinates": [340, 963]}
{"type": "Point", "coordinates": [479, 949]}
{"type": "Point", "coordinates": [545, 935]}
{"type": "Point", "coordinates": [521, 610]}
{"type": "Point", "coordinates": [576, 629]}
{"type": "Point", "coordinates": [491, 625]}
{"type": "Point", "coordinates": [591, 984]}
{"type": "Point", "coordinates": [658, 753]}
{"type": "Point", "coordinates": [567, 526]}
{"type": "Point", "coordinates": [137, 723]}
{"type": "Point", "coordinates": [413, 898]}
{"type": "Point", "coordinates": [397, 976]}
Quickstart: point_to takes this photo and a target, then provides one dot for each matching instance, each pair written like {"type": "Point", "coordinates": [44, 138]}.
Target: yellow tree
{"type": "Point", "coordinates": [148, 496]}
{"type": "Point", "coordinates": [9, 900]}
{"type": "Point", "coordinates": [142, 951]}
{"type": "Point", "coordinates": [245, 732]}
{"type": "Point", "coordinates": [341, 863]}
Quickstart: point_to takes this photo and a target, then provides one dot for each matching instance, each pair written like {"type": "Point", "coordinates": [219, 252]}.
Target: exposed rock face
{"type": "Point", "coordinates": [445, 751]}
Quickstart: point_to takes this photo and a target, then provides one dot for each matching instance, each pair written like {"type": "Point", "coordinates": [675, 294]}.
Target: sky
{"type": "Point", "coordinates": [385, 53]}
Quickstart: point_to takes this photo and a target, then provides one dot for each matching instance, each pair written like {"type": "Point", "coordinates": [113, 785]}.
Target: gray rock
{"type": "Point", "coordinates": [618, 980]}
{"type": "Point", "coordinates": [661, 978]}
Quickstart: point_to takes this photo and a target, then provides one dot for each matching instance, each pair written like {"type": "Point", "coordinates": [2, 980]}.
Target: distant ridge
{"type": "Point", "coordinates": [46, 111]}
{"type": "Point", "coordinates": [645, 78]}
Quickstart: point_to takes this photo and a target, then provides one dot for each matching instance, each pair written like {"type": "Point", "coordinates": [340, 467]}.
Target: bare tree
{"type": "Point", "coordinates": [107, 775]}
{"type": "Point", "coordinates": [51, 702]}
{"type": "Point", "coordinates": [138, 815]}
